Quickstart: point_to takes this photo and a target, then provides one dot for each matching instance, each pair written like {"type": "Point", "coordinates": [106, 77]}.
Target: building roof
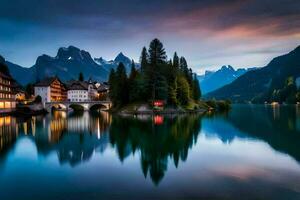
{"type": "Point", "coordinates": [46, 82]}
{"type": "Point", "coordinates": [16, 87]}
{"type": "Point", "coordinates": [78, 85]}
{"type": "Point", "coordinates": [2, 75]}
{"type": "Point", "coordinates": [102, 88]}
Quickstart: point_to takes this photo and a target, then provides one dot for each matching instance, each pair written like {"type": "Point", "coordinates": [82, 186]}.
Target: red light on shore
{"type": "Point", "coordinates": [158, 119]}
{"type": "Point", "coordinates": [158, 103]}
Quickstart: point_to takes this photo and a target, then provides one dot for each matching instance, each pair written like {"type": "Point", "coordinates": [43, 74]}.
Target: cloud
{"type": "Point", "coordinates": [205, 31]}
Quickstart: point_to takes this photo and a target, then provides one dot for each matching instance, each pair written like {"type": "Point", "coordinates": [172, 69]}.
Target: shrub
{"type": "Point", "coordinates": [38, 99]}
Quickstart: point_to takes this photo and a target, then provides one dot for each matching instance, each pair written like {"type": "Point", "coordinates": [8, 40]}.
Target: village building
{"type": "Point", "coordinates": [103, 90]}
{"type": "Point", "coordinates": [82, 91]}
{"type": "Point", "coordinates": [51, 90]}
{"type": "Point", "coordinates": [7, 96]}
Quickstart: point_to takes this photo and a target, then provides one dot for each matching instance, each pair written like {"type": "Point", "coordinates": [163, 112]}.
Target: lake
{"type": "Point", "coordinates": [251, 152]}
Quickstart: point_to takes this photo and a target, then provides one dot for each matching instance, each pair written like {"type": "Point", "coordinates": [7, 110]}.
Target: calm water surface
{"type": "Point", "coordinates": [252, 152]}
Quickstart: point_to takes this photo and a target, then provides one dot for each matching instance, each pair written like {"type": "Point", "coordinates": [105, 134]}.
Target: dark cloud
{"type": "Point", "coordinates": [190, 22]}
{"type": "Point", "coordinates": [208, 14]}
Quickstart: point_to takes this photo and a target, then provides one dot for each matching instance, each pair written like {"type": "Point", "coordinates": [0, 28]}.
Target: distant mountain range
{"type": "Point", "coordinates": [257, 83]}
{"type": "Point", "coordinates": [213, 80]}
{"type": "Point", "coordinates": [67, 64]}
{"type": "Point", "coordinates": [114, 63]}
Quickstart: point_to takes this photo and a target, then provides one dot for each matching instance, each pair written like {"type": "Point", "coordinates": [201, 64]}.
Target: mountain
{"type": "Point", "coordinates": [113, 64]}
{"type": "Point", "coordinates": [260, 82]}
{"type": "Point", "coordinates": [67, 64]}
{"type": "Point", "coordinates": [205, 75]}
{"type": "Point", "coordinates": [23, 75]}
{"type": "Point", "coordinates": [211, 80]}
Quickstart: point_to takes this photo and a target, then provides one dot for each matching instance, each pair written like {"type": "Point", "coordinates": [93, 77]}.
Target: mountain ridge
{"type": "Point", "coordinates": [213, 80]}
{"type": "Point", "coordinates": [260, 82]}
{"type": "Point", "coordinates": [66, 64]}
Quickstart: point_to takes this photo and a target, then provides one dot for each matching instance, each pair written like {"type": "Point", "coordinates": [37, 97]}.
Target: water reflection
{"type": "Point", "coordinates": [73, 136]}
{"type": "Point", "coordinates": [280, 131]}
{"type": "Point", "coordinates": [163, 143]}
{"type": "Point", "coordinates": [158, 141]}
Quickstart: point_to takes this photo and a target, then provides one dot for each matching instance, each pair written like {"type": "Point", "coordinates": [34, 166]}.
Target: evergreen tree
{"type": "Point", "coordinates": [176, 61]}
{"type": "Point", "coordinates": [172, 95]}
{"type": "Point", "coordinates": [121, 85]}
{"type": "Point", "coordinates": [183, 66]}
{"type": "Point", "coordinates": [133, 72]}
{"type": "Point", "coordinates": [196, 88]}
{"type": "Point", "coordinates": [134, 91]}
{"type": "Point", "coordinates": [144, 60]}
{"type": "Point", "coordinates": [80, 77]}
{"type": "Point", "coordinates": [183, 91]}
{"type": "Point", "coordinates": [157, 57]}
{"type": "Point", "coordinates": [112, 86]}
{"type": "Point", "coordinates": [29, 90]}
{"type": "Point", "coordinates": [158, 79]}
{"type": "Point", "coordinates": [157, 53]}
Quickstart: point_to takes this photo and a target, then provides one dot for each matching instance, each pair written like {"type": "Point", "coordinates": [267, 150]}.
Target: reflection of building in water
{"type": "Point", "coordinates": [8, 131]}
{"type": "Point", "coordinates": [87, 123]}
{"type": "Point", "coordinates": [75, 138]}
{"type": "Point", "coordinates": [57, 125]}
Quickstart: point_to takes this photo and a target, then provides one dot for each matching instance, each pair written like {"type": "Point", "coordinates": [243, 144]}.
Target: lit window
{"type": "Point", "coordinates": [7, 105]}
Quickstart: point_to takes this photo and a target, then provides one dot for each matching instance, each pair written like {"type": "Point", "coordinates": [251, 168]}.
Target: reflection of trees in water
{"type": "Point", "coordinates": [280, 130]}
{"type": "Point", "coordinates": [76, 137]}
{"type": "Point", "coordinates": [156, 144]}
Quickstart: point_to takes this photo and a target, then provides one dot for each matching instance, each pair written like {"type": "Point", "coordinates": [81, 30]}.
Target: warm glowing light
{"type": "Point", "coordinates": [158, 103]}
{"type": "Point", "coordinates": [7, 105]}
{"type": "Point", "coordinates": [158, 119]}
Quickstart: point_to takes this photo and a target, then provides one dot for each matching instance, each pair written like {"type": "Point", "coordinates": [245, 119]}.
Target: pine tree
{"type": "Point", "coordinates": [157, 53]}
{"type": "Point", "coordinates": [112, 86]}
{"type": "Point", "coordinates": [134, 91]}
{"type": "Point", "coordinates": [172, 96]}
{"type": "Point", "coordinates": [183, 91]}
{"type": "Point", "coordinates": [196, 88]}
{"type": "Point", "coordinates": [183, 66]}
{"type": "Point", "coordinates": [144, 60]}
{"type": "Point", "coordinates": [121, 85]}
{"type": "Point", "coordinates": [80, 77]}
{"type": "Point", "coordinates": [133, 72]}
{"type": "Point", "coordinates": [176, 61]}
{"type": "Point", "coordinates": [157, 57]}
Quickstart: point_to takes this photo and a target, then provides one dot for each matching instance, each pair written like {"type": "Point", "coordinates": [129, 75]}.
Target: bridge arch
{"type": "Point", "coordinates": [88, 105]}
{"type": "Point", "coordinates": [98, 106]}
{"type": "Point", "coordinates": [77, 107]}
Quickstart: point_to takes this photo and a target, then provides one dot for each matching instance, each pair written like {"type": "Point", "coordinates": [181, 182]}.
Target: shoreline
{"type": "Point", "coordinates": [160, 112]}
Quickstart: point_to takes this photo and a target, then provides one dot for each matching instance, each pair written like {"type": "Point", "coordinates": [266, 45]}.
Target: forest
{"type": "Point", "coordinates": [157, 78]}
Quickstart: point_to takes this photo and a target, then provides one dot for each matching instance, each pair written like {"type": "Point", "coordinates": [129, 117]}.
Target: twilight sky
{"type": "Point", "coordinates": [209, 33]}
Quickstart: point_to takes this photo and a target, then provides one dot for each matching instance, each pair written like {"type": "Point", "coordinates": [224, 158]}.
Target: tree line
{"type": "Point", "coordinates": [280, 91]}
{"type": "Point", "coordinates": [157, 79]}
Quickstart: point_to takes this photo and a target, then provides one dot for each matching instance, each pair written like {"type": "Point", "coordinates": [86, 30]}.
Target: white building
{"type": "Point", "coordinates": [50, 89]}
{"type": "Point", "coordinates": [81, 91]}
{"type": "Point", "coordinates": [44, 92]}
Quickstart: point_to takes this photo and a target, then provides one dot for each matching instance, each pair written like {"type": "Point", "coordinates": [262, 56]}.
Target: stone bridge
{"type": "Point", "coordinates": [85, 105]}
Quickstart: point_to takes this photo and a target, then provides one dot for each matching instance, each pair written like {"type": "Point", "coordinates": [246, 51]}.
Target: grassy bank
{"type": "Point", "coordinates": [191, 107]}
